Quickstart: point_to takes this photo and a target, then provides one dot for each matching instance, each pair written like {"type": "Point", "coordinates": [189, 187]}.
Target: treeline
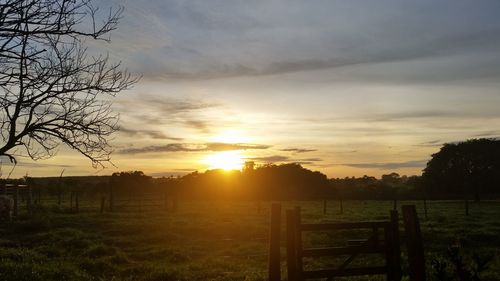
{"type": "Point", "coordinates": [266, 182]}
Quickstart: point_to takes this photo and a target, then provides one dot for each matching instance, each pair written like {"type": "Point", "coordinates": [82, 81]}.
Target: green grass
{"type": "Point", "coordinates": [210, 241]}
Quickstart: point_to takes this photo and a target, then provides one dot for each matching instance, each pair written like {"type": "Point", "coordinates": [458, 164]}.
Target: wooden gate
{"type": "Point", "coordinates": [387, 245]}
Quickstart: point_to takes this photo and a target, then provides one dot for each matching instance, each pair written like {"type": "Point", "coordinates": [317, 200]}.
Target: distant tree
{"type": "Point", "coordinates": [52, 91]}
{"type": "Point", "coordinates": [467, 168]}
{"type": "Point", "coordinates": [132, 182]}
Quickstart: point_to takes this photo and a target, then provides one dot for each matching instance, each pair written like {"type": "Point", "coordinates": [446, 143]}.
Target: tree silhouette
{"type": "Point", "coordinates": [52, 91]}
{"type": "Point", "coordinates": [466, 168]}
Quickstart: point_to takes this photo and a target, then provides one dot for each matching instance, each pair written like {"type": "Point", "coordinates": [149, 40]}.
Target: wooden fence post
{"type": "Point", "coordinates": [291, 245]}
{"type": "Point", "coordinates": [274, 243]}
{"type": "Point", "coordinates": [77, 203]}
{"type": "Point", "coordinates": [414, 243]}
{"type": "Point", "coordinates": [111, 198]}
{"type": "Point", "coordinates": [393, 248]}
{"type": "Point", "coordinates": [298, 242]}
{"type": "Point", "coordinates": [29, 201]}
{"type": "Point", "coordinates": [16, 198]}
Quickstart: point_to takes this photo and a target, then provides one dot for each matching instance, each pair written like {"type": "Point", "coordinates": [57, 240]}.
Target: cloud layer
{"type": "Point", "coordinates": [189, 147]}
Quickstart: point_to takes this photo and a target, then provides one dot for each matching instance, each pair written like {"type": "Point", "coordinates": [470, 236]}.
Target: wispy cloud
{"type": "Point", "coordinates": [189, 147]}
{"type": "Point", "coordinates": [298, 150]}
{"type": "Point", "coordinates": [282, 158]}
{"type": "Point", "coordinates": [147, 133]}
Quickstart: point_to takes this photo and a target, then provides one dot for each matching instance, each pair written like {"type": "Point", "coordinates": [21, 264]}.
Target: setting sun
{"type": "Point", "coordinates": [227, 160]}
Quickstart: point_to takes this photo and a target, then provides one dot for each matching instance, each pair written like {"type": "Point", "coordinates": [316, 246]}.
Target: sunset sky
{"type": "Point", "coordinates": [344, 87]}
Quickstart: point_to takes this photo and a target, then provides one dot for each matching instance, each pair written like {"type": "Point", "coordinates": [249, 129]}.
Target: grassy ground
{"type": "Point", "coordinates": [209, 241]}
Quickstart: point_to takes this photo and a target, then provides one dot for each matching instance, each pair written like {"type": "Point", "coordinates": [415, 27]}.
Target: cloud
{"type": "Point", "coordinates": [199, 125]}
{"type": "Point", "coordinates": [432, 143]}
{"type": "Point", "coordinates": [282, 158]}
{"type": "Point", "coordinates": [487, 134]}
{"type": "Point", "coordinates": [164, 105]}
{"type": "Point", "coordinates": [298, 150]}
{"type": "Point", "coordinates": [389, 165]}
{"type": "Point", "coordinates": [5, 161]}
{"type": "Point", "coordinates": [146, 133]}
{"type": "Point", "coordinates": [202, 37]}
{"type": "Point", "coordinates": [189, 147]}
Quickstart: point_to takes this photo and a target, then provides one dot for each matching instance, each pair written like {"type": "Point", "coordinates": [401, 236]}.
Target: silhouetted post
{"type": "Point", "coordinates": [111, 198]}
{"type": "Point", "coordinates": [414, 243]}
{"type": "Point", "coordinates": [341, 206]}
{"type": "Point", "coordinates": [59, 190]}
{"type": "Point", "coordinates": [393, 255]}
{"type": "Point", "coordinates": [39, 195]}
{"type": "Point", "coordinates": [324, 207]}
{"type": "Point", "coordinates": [29, 201]}
{"type": "Point", "coordinates": [103, 203]}
{"type": "Point", "coordinates": [425, 208]}
{"type": "Point", "coordinates": [77, 203]}
{"type": "Point", "coordinates": [16, 203]}
{"type": "Point", "coordinates": [466, 207]}
{"type": "Point", "coordinates": [274, 243]}
{"type": "Point", "coordinates": [291, 255]}
{"type": "Point", "coordinates": [298, 242]}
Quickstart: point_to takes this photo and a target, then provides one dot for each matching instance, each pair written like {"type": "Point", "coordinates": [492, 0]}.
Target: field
{"type": "Point", "coordinates": [209, 240]}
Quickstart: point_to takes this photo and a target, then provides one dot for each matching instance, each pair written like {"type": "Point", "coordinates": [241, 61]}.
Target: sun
{"type": "Point", "coordinates": [226, 160]}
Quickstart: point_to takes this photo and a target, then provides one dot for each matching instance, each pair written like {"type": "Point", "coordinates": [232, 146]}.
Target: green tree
{"type": "Point", "coordinates": [467, 168]}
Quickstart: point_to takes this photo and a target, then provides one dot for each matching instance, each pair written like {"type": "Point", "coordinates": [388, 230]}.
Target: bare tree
{"type": "Point", "coordinates": [52, 91]}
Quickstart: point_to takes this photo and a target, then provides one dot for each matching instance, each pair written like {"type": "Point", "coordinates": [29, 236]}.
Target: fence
{"type": "Point", "coordinates": [389, 247]}
{"type": "Point", "coordinates": [20, 194]}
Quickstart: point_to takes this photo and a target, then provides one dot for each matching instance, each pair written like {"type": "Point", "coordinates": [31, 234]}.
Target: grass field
{"type": "Point", "coordinates": [209, 241]}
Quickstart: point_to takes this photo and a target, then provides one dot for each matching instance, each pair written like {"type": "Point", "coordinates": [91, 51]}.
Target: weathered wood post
{"type": "Point", "coordinates": [16, 198]}
{"type": "Point", "coordinates": [298, 242]}
{"type": "Point", "coordinates": [111, 198]}
{"type": "Point", "coordinates": [393, 248]}
{"type": "Point", "coordinates": [29, 201]}
{"type": "Point", "coordinates": [291, 255]}
{"type": "Point", "coordinates": [274, 243]}
{"type": "Point", "coordinates": [414, 243]}
{"type": "Point", "coordinates": [77, 203]}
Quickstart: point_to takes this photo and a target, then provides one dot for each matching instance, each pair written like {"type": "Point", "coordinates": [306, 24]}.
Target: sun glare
{"type": "Point", "coordinates": [227, 160]}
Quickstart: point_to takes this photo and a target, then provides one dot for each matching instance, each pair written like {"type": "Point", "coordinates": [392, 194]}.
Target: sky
{"type": "Point", "coordinates": [348, 88]}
